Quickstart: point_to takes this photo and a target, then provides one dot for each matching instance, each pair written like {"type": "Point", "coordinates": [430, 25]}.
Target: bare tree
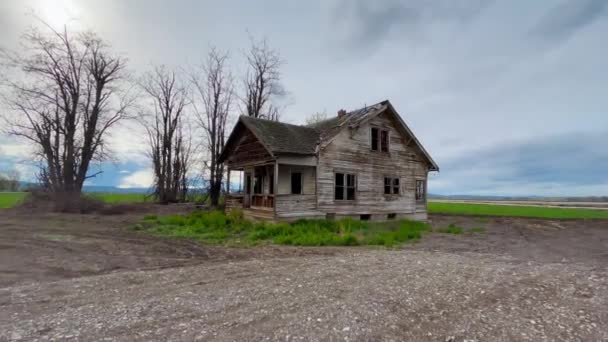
{"type": "Point", "coordinates": [214, 91]}
{"type": "Point", "coordinates": [65, 95]}
{"type": "Point", "coordinates": [262, 81]}
{"type": "Point", "coordinates": [316, 117]}
{"type": "Point", "coordinates": [164, 120]}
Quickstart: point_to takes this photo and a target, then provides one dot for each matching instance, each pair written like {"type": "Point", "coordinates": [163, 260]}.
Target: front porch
{"type": "Point", "coordinates": [289, 195]}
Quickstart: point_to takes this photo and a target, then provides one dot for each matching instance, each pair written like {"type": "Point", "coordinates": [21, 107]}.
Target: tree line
{"type": "Point", "coordinates": [65, 91]}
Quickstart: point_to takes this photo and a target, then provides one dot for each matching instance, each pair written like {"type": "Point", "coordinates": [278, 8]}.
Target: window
{"type": "Point", "coordinates": [384, 141]}
{"type": "Point", "coordinates": [374, 139]}
{"type": "Point", "coordinates": [344, 187]}
{"type": "Point", "coordinates": [296, 183]}
{"type": "Point", "coordinates": [271, 185]}
{"type": "Point", "coordinates": [257, 184]}
{"type": "Point", "coordinates": [391, 186]}
{"type": "Point", "coordinates": [391, 216]}
{"type": "Point", "coordinates": [379, 139]}
{"type": "Point", "coordinates": [420, 191]}
{"type": "Point", "coordinates": [365, 217]}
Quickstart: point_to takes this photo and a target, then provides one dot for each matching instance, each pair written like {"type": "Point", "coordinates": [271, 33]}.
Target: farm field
{"type": "Point", "coordinates": [11, 199]}
{"type": "Point", "coordinates": [458, 208]}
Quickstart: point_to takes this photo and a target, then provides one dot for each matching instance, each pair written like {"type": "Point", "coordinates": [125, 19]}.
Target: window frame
{"type": "Point", "coordinates": [422, 198]}
{"type": "Point", "coordinates": [391, 186]}
{"type": "Point", "coordinates": [344, 187]}
{"type": "Point", "coordinates": [378, 141]}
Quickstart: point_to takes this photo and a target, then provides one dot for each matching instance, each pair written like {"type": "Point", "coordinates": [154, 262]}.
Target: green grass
{"type": "Point", "coordinates": [217, 228]}
{"type": "Point", "coordinates": [116, 198]}
{"type": "Point", "coordinates": [515, 210]}
{"type": "Point", "coordinates": [11, 199]}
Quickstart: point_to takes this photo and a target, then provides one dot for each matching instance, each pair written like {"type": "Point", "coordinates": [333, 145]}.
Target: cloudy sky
{"type": "Point", "coordinates": [509, 97]}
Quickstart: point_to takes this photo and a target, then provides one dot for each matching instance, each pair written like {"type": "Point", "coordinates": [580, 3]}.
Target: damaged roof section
{"type": "Point", "coordinates": [283, 138]}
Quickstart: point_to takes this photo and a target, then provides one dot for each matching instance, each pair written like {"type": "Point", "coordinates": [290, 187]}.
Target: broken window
{"type": "Point", "coordinates": [379, 139]}
{"type": "Point", "coordinates": [345, 187]}
{"type": "Point", "coordinates": [420, 190]}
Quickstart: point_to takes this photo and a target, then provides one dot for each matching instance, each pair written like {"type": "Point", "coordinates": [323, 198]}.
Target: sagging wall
{"type": "Point", "coordinates": [350, 152]}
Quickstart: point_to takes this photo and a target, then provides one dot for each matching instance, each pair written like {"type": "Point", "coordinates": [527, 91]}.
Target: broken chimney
{"type": "Point", "coordinates": [341, 113]}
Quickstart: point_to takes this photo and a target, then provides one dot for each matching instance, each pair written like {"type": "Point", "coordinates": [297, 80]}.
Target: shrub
{"type": "Point", "coordinates": [451, 229]}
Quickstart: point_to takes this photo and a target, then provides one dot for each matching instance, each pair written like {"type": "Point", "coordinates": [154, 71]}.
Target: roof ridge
{"type": "Point", "coordinates": [274, 121]}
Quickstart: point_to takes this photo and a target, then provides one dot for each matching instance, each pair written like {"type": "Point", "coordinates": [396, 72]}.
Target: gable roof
{"type": "Point", "coordinates": [277, 137]}
{"type": "Point", "coordinates": [329, 128]}
{"type": "Point", "coordinates": [283, 138]}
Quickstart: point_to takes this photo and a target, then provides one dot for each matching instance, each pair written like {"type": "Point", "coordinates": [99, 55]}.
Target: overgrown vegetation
{"type": "Point", "coordinates": [216, 227]}
{"type": "Point", "coordinates": [515, 211]}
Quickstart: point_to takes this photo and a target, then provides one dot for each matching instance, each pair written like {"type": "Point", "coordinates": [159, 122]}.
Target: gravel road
{"type": "Point", "coordinates": [89, 278]}
{"type": "Point", "coordinates": [356, 296]}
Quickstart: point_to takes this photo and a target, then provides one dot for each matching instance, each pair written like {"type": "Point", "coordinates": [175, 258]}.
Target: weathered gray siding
{"type": "Point", "coordinates": [350, 152]}
{"type": "Point", "coordinates": [308, 179]}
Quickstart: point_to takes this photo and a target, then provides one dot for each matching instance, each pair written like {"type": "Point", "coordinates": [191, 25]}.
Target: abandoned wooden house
{"type": "Point", "coordinates": [366, 164]}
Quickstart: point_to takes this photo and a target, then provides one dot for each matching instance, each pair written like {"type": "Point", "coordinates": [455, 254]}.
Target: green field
{"type": "Point", "coordinates": [10, 199]}
{"type": "Point", "coordinates": [515, 211]}
{"type": "Point", "coordinates": [115, 198]}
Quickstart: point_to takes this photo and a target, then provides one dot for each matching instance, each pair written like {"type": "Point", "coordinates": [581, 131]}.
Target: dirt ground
{"type": "Point", "coordinates": [89, 277]}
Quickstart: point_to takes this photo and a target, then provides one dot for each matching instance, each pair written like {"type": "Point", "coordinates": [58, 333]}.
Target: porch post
{"type": "Point", "coordinates": [275, 179]}
{"type": "Point", "coordinates": [228, 183]}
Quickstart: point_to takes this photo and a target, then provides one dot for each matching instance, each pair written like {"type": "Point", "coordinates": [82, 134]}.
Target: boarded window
{"type": "Point", "coordinates": [391, 186]}
{"type": "Point", "coordinates": [345, 187]}
{"type": "Point", "coordinates": [384, 141]}
{"type": "Point", "coordinates": [374, 139]}
{"type": "Point", "coordinates": [420, 191]}
{"type": "Point", "coordinates": [296, 183]}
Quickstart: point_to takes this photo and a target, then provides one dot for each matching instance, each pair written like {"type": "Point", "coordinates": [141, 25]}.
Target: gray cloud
{"type": "Point", "coordinates": [564, 163]}
{"type": "Point", "coordinates": [568, 17]}
{"type": "Point", "coordinates": [365, 24]}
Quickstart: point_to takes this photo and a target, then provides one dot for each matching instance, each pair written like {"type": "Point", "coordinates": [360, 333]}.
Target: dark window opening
{"type": "Point", "coordinates": [248, 184]}
{"type": "Point", "coordinates": [379, 139]}
{"type": "Point", "coordinates": [345, 187]}
{"type": "Point", "coordinates": [330, 216]}
{"type": "Point", "coordinates": [391, 186]}
{"type": "Point", "coordinates": [339, 187]}
{"type": "Point", "coordinates": [384, 141]}
{"type": "Point", "coordinates": [365, 217]}
{"type": "Point", "coordinates": [271, 185]}
{"type": "Point", "coordinates": [374, 139]}
{"type": "Point", "coordinates": [350, 187]}
{"type": "Point", "coordinates": [420, 191]}
{"type": "Point", "coordinates": [391, 216]}
{"type": "Point", "coordinates": [395, 186]}
{"type": "Point", "coordinates": [257, 184]}
{"type": "Point", "coordinates": [296, 183]}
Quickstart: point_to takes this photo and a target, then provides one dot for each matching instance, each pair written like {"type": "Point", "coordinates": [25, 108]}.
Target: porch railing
{"type": "Point", "coordinates": [262, 201]}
